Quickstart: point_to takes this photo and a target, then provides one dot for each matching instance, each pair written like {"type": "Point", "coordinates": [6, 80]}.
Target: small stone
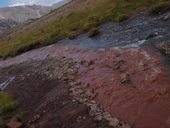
{"type": "Point", "coordinates": [107, 116]}
{"type": "Point", "coordinates": [73, 100]}
{"type": "Point", "coordinates": [119, 64]}
{"type": "Point", "coordinates": [82, 62]}
{"type": "Point", "coordinates": [14, 123]}
{"type": "Point", "coordinates": [166, 17]}
{"type": "Point", "coordinates": [35, 118]}
{"type": "Point", "coordinates": [114, 122]}
{"type": "Point", "coordinates": [125, 77]}
{"type": "Point", "coordinates": [151, 35]}
{"type": "Point", "coordinates": [99, 118]}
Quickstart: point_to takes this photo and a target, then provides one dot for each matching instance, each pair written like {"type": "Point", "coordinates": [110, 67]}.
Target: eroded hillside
{"type": "Point", "coordinates": [112, 75]}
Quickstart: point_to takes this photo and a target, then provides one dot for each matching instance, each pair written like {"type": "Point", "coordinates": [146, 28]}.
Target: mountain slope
{"type": "Point", "coordinates": [22, 13]}
{"type": "Point", "coordinates": [7, 24]}
{"type": "Point", "coordinates": [76, 17]}
{"type": "Point", "coordinates": [13, 16]}
{"type": "Point", "coordinates": [60, 3]}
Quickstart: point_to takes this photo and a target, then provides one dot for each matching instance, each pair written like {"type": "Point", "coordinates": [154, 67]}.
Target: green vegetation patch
{"type": "Point", "coordinates": [80, 20]}
{"type": "Point", "coordinates": [7, 103]}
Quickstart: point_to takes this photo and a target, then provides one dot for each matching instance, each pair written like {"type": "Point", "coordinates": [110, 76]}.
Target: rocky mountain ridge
{"type": "Point", "coordinates": [7, 24]}
{"type": "Point", "coordinates": [12, 16]}
{"type": "Point", "coordinates": [21, 14]}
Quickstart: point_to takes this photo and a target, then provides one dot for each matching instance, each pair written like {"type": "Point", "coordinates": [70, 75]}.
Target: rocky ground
{"type": "Point", "coordinates": [73, 85]}
{"type": "Point", "coordinates": [133, 33]}
{"type": "Point", "coordinates": [43, 91]}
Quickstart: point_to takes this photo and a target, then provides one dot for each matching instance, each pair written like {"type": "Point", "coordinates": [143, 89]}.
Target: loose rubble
{"type": "Point", "coordinates": [86, 97]}
{"type": "Point", "coordinates": [66, 70]}
{"type": "Point", "coordinates": [164, 47]}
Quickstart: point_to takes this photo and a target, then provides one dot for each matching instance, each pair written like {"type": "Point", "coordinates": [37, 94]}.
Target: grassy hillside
{"type": "Point", "coordinates": [78, 21]}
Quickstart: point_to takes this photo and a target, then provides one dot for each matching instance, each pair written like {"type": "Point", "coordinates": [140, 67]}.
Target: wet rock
{"type": "Point", "coordinates": [125, 77]}
{"type": "Point", "coordinates": [166, 17]}
{"type": "Point", "coordinates": [14, 123]}
{"type": "Point", "coordinates": [151, 35]}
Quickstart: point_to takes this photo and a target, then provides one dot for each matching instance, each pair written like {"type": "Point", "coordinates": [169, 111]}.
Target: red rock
{"type": "Point", "coordinates": [119, 64]}
{"type": "Point", "coordinates": [125, 77]}
{"type": "Point", "coordinates": [14, 123]}
{"type": "Point", "coordinates": [35, 118]}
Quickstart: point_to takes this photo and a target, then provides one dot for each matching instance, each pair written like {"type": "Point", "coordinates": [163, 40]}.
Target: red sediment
{"type": "Point", "coordinates": [131, 84]}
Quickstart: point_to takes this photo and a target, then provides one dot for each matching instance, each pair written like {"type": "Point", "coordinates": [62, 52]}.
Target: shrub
{"type": "Point", "coordinates": [7, 103]}
{"type": "Point", "coordinates": [93, 32]}
{"type": "Point", "coordinates": [72, 35]}
{"type": "Point", "coordinates": [160, 8]}
{"type": "Point", "coordinates": [122, 17]}
{"type": "Point", "coordinates": [89, 25]}
{"type": "Point", "coordinates": [20, 116]}
{"type": "Point", "coordinates": [73, 27]}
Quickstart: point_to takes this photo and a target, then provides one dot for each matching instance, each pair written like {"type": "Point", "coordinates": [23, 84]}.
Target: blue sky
{"type": "Point", "coordinates": [5, 3]}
